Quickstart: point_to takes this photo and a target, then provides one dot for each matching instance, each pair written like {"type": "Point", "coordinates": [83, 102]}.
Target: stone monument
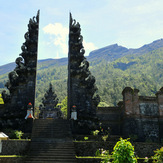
{"type": "Point", "coordinates": [22, 81]}
{"type": "Point", "coordinates": [81, 83]}
{"type": "Point", "coordinates": [49, 108]}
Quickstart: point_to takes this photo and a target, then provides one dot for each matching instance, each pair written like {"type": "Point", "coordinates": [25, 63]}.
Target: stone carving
{"type": "Point", "coordinates": [81, 84]}
{"type": "Point", "coordinates": [49, 108]}
{"type": "Point", "coordinates": [13, 81]}
{"type": "Point", "coordinates": [20, 91]}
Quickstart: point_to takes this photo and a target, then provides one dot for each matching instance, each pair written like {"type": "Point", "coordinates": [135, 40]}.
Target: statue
{"type": "Point", "coordinates": [29, 111]}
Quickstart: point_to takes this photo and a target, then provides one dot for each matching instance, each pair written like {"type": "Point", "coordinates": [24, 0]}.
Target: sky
{"type": "Point", "coordinates": [129, 23]}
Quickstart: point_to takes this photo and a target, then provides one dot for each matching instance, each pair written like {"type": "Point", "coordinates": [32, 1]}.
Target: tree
{"type": "Point", "coordinates": [63, 105]}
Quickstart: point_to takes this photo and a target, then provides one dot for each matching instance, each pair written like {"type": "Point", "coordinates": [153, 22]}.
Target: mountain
{"type": "Point", "coordinates": [113, 52]}
{"type": "Point", "coordinates": [114, 68]}
{"type": "Point", "coordinates": [7, 68]}
{"type": "Point", "coordinates": [108, 53]}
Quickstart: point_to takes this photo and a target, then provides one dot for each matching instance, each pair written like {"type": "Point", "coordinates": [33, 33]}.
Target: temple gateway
{"type": "Point", "coordinates": [135, 115]}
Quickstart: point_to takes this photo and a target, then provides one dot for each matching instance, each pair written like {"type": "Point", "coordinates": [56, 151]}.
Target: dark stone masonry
{"type": "Point", "coordinates": [81, 83]}
{"type": "Point", "coordinates": [22, 81]}
{"type": "Point", "coordinates": [141, 116]}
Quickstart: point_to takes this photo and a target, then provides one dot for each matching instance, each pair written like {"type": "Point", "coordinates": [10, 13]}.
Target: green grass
{"type": "Point", "coordinates": [83, 141]}
{"type": "Point", "coordinates": [21, 139]}
{"type": "Point", "coordinates": [11, 156]}
{"type": "Point", "coordinates": [89, 157]}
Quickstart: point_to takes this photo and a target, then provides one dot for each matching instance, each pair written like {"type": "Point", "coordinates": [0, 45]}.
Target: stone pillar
{"type": "Point", "coordinates": [81, 83]}
{"type": "Point", "coordinates": [128, 100]}
{"type": "Point", "coordinates": [159, 96]}
{"type": "Point", "coordinates": [135, 103]}
{"type": "Point", "coordinates": [131, 109]}
{"type": "Point", "coordinates": [131, 101]}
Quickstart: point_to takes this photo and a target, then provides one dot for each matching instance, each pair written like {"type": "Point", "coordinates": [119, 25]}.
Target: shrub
{"type": "Point", "coordinates": [86, 138]}
{"type": "Point", "coordinates": [13, 134]}
{"type": "Point", "coordinates": [158, 157]}
{"type": "Point", "coordinates": [105, 154]}
{"type": "Point", "coordinates": [19, 134]}
{"type": "Point", "coordinates": [95, 133]}
{"type": "Point", "coordinates": [123, 152]}
{"type": "Point", "coordinates": [104, 138]}
{"type": "Point", "coordinates": [10, 133]}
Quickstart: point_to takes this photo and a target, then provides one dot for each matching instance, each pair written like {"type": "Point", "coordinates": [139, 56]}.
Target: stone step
{"type": "Point", "coordinates": [52, 157]}
{"type": "Point", "coordinates": [52, 161]}
{"type": "Point", "coordinates": [51, 124]}
{"type": "Point", "coordinates": [64, 143]}
{"type": "Point", "coordinates": [50, 136]}
{"type": "Point", "coordinates": [51, 147]}
{"type": "Point", "coordinates": [58, 161]}
{"type": "Point", "coordinates": [52, 128]}
{"type": "Point", "coordinates": [69, 150]}
{"type": "Point", "coordinates": [51, 142]}
{"type": "Point", "coordinates": [51, 131]}
{"type": "Point", "coordinates": [54, 153]}
{"type": "Point", "coordinates": [64, 126]}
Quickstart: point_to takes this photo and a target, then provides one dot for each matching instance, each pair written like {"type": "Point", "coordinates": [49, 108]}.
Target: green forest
{"type": "Point", "coordinates": [143, 72]}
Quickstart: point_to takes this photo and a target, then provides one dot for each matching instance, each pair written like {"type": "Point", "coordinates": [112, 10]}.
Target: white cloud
{"type": "Point", "coordinates": [61, 38]}
{"type": "Point", "coordinates": [61, 35]}
{"type": "Point", "coordinates": [89, 46]}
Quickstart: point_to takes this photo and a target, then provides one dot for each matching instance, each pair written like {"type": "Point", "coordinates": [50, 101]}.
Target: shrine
{"type": "Point", "coordinates": [49, 109]}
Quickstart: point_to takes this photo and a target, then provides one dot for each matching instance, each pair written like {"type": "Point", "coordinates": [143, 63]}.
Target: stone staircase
{"type": "Point", "coordinates": [51, 142]}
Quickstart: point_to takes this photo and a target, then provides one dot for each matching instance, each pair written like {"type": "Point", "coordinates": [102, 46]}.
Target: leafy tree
{"type": "Point", "coordinates": [136, 71]}
{"type": "Point", "coordinates": [63, 105]}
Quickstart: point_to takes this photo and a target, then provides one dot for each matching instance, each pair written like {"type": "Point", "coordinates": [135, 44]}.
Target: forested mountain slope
{"type": "Point", "coordinates": [140, 68]}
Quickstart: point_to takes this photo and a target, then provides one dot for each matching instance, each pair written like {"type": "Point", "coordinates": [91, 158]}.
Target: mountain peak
{"type": "Point", "coordinates": [113, 50]}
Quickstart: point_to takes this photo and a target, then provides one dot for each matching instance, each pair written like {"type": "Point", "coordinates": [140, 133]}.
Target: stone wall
{"type": "Point", "coordinates": [110, 117]}
{"type": "Point", "coordinates": [15, 147]}
{"type": "Point", "coordinates": [12, 159]}
{"type": "Point", "coordinates": [89, 148]}
{"type": "Point", "coordinates": [135, 115]}
{"type": "Point", "coordinates": [142, 115]}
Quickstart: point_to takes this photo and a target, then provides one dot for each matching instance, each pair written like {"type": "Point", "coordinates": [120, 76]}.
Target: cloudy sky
{"type": "Point", "coordinates": [129, 23]}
